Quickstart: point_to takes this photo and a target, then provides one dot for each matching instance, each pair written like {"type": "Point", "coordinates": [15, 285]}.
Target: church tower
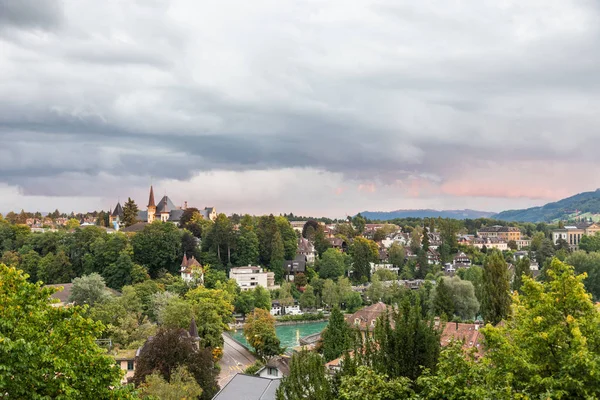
{"type": "Point", "coordinates": [151, 206]}
{"type": "Point", "coordinates": [165, 212]}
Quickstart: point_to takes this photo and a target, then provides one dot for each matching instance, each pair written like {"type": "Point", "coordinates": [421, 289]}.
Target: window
{"type": "Point", "coordinates": [272, 371]}
{"type": "Point", "coordinates": [130, 365]}
{"type": "Point", "coordinates": [357, 321]}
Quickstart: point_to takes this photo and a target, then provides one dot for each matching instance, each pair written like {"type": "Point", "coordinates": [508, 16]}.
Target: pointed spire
{"type": "Point", "coordinates": [165, 208]}
{"type": "Point", "coordinates": [151, 199]}
{"type": "Point", "coordinates": [194, 329]}
{"type": "Point", "coordinates": [184, 263]}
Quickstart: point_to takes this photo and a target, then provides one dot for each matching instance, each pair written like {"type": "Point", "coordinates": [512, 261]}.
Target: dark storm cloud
{"type": "Point", "coordinates": [124, 92]}
{"type": "Point", "coordinates": [45, 14]}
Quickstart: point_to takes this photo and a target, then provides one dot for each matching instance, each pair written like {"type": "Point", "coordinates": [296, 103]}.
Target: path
{"type": "Point", "coordinates": [236, 358]}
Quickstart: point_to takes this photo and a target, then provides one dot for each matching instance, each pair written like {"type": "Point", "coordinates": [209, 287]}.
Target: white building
{"type": "Point", "coordinates": [250, 277]}
{"type": "Point", "coordinates": [191, 270]}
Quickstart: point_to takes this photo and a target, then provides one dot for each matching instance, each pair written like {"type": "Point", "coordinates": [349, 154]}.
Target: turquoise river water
{"type": "Point", "coordinates": [289, 335]}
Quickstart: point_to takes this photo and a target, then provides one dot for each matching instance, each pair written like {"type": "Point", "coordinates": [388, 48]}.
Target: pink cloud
{"type": "Point", "coordinates": [367, 187]}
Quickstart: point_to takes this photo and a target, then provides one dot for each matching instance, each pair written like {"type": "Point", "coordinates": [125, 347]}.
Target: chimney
{"type": "Point", "coordinates": [185, 205]}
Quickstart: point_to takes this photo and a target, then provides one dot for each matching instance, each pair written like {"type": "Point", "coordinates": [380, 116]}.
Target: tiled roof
{"type": "Point", "coordinates": [118, 212]}
{"type": "Point", "coordinates": [249, 387]}
{"type": "Point", "coordinates": [368, 314]}
{"type": "Point", "coordinates": [467, 333]}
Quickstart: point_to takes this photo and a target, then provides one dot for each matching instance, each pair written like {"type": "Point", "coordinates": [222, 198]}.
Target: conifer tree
{"type": "Point", "coordinates": [495, 304]}
{"type": "Point", "coordinates": [307, 379]}
{"type": "Point", "coordinates": [336, 338]}
{"type": "Point", "coordinates": [443, 302]}
{"type": "Point", "coordinates": [130, 212]}
{"type": "Point", "coordinates": [522, 268]}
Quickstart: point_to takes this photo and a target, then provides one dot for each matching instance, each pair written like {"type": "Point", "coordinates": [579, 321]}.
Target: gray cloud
{"type": "Point", "coordinates": [381, 92]}
{"type": "Point", "coordinates": [26, 14]}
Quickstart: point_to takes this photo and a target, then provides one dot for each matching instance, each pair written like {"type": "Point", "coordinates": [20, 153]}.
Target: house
{"type": "Point", "coordinates": [365, 319]}
{"type": "Point", "coordinates": [338, 243]}
{"type": "Point", "coordinates": [191, 270]}
{"type": "Point", "coordinates": [490, 243]}
{"type": "Point", "coordinates": [433, 257]}
{"type": "Point", "coordinates": [469, 334]}
{"type": "Point", "coordinates": [249, 277]}
{"type": "Point", "coordinates": [504, 233]}
{"type": "Point", "coordinates": [275, 368]}
{"type": "Point", "coordinates": [275, 308]}
{"type": "Point", "coordinates": [572, 234]}
{"type": "Point", "coordinates": [293, 267]}
{"type": "Point", "coordinates": [125, 359]}
{"type": "Point", "coordinates": [306, 248]}
{"type": "Point", "coordinates": [248, 387]}
{"type": "Point", "coordinates": [461, 258]}
{"type": "Point", "coordinates": [298, 226]}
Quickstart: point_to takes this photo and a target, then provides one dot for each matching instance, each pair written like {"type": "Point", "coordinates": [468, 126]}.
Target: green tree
{"type": "Point", "coordinates": [244, 302]}
{"type": "Point", "coordinates": [330, 294]}
{"type": "Point", "coordinates": [247, 251]}
{"type": "Point", "coordinates": [522, 268]}
{"type": "Point", "coordinates": [285, 295]}
{"type": "Point", "coordinates": [266, 231]}
{"type": "Point", "coordinates": [262, 298]}
{"type": "Point", "coordinates": [130, 212]}
{"type": "Point", "coordinates": [50, 352]}
{"type": "Point", "coordinates": [72, 224]}
{"type": "Point", "coordinates": [590, 265]}
{"type": "Point", "coordinates": [443, 302]}
{"type": "Point", "coordinates": [29, 264]}
{"type": "Point", "coordinates": [88, 289]}
{"type": "Point", "coordinates": [308, 299]}
{"type": "Point", "coordinates": [217, 299]}
{"type": "Point", "coordinates": [363, 253]}
{"type": "Point", "coordinates": [550, 347]}
{"type": "Point", "coordinates": [321, 243]}
{"type": "Point", "coordinates": [259, 331]}
{"type": "Point", "coordinates": [475, 276]}
{"type": "Point", "coordinates": [307, 379]}
{"type": "Point", "coordinates": [359, 223]}
{"type": "Point", "coordinates": [495, 304]}
{"type": "Point", "coordinates": [369, 385]}
{"type": "Point", "coordinates": [182, 385]}
{"type": "Point", "coordinates": [336, 337]}
{"type": "Point", "coordinates": [288, 236]}
{"type": "Point", "coordinates": [590, 243]}
{"type": "Point", "coordinates": [397, 255]}
{"type": "Point", "coordinates": [464, 300]}
{"type": "Point", "coordinates": [158, 247]}
{"type": "Point", "coordinates": [118, 274]}
{"type": "Point", "coordinates": [331, 265]}
{"type": "Point", "coordinates": [55, 268]}
{"type": "Point", "coordinates": [425, 241]}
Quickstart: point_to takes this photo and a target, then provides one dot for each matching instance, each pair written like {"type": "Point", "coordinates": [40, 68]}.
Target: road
{"type": "Point", "coordinates": [236, 358]}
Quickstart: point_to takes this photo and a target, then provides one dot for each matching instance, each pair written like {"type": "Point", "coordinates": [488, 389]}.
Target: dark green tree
{"type": "Point", "coordinates": [130, 212]}
{"type": "Point", "coordinates": [247, 250]}
{"type": "Point", "coordinates": [363, 253]}
{"type": "Point", "coordinates": [118, 274]}
{"type": "Point", "coordinates": [425, 241]}
{"type": "Point", "coordinates": [331, 264]}
{"type": "Point", "coordinates": [336, 337]}
{"type": "Point", "coordinates": [443, 302]}
{"type": "Point", "coordinates": [522, 268]}
{"type": "Point", "coordinates": [158, 247]}
{"type": "Point", "coordinates": [307, 379]}
{"type": "Point", "coordinates": [321, 243]}
{"type": "Point", "coordinates": [496, 301]}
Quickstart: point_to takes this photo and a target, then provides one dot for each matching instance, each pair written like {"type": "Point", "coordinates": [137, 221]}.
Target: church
{"type": "Point", "coordinates": [165, 211]}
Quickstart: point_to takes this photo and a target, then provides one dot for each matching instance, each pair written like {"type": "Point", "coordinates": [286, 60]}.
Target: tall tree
{"type": "Point", "coordinates": [50, 352]}
{"type": "Point", "coordinates": [308, 299]}
{"type": "Point", "coordinates": [321, 242]}
{"type": "Point", "coordinates": [397, 254]}
{"type": "Point", "coordinates": [522, 268]}
{"type": "Point", "coordinates": [130, 212]}
{"type": "Point", "coordinates": [55, 268]}
{"type": "Point", "coordinates": [464, 300]}
{"type": "Point", "coordinates": [259, 331]}
{"type": "Point", "coordinates": [262, 298]}
{"type": "Point", "coordinates": [370, 385]}
{"type": "Point", "coordinates": [588, 264]}
{"type": "Point", "coordinates": [425, 241]}
{"type": "Point", "coordinates": [332, 264]}
{"type": "Point", "coordinates": [495, 304]}
{"type": "Point", "coordinates": [182, 385]}
{"type": "Point", "coordinates": [443, 303]}
{"type": "Point", "coordinates": [288, 237]}
{"type": "Point", "coordinates": [336, 337]}
{"type": "Point", "coordinates": [363, 253]}
{"type": "Point", "coordinates": [307, 379]}
{"type": "Point", "coordinates": [88, 289]}
{"type": "Point", "coordinates": [247, 251]}
{"type": "Point", "coordinates": [266, 232]}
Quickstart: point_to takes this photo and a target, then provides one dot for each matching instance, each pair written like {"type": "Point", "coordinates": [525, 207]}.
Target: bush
{"type": "Point", "coordinates": [254, 368]}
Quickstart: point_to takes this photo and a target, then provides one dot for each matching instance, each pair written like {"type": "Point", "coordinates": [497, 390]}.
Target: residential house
{"type": "Point", "coordinates": [469, 334]}
{"type": "Point", "coordinates": [249, 277]}
{"type": "Point", "coordinates": [293, 267]}
{"type": "Point", "coordinates": [306, 248]}
{"type": "Point", "coordinates": [298, 225]}
{"type": "Point", "coordinates": [462, 259]}
{"type": "Point", "coordinates": [248, 387]}
{"type": "Point", "coordinates": [490, 243]}
{"type": "Point", "coordinates": [191, 270]}
{"type": "Point", "coordinates": [433, 257]}
{"type": "Point", "coordinates": [275, 368]}
{"type": "Point", "coordinates": [126, 360]}
{"type": "Point", "coordinates": [523, 242]}
{"type": "Point", "coordinates": [338, 243]}
{"type": "Point", "coordinates": [365, 319]}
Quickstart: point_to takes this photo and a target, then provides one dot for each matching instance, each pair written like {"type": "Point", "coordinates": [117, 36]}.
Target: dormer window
{"type": "Point", "coordinates": [356, 321]}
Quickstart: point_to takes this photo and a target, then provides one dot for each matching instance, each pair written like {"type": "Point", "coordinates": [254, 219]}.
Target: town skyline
{"type": "Point", "coordinates": [322, 108]}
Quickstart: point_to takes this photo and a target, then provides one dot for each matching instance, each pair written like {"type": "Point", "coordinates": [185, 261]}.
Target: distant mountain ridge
{"type": "Point", "coordinates": [585, 204]}
{"type": "Point", "coordinates": [426, 213]}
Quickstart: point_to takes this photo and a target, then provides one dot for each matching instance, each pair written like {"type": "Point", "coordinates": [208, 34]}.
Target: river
{"type": "Point", "coordinates": [289, 335]}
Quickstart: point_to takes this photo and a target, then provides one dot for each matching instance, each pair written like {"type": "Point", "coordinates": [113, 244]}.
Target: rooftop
{"type": "Point", "coordinates": [249, 387]}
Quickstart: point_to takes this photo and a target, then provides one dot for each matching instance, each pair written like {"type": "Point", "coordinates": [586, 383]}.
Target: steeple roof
{"type": "Point", "coordinates": [165, 205]}
{"type": "Point", "coordinates": [184, 262]}
{"type": "Point", "coordinates": [151, 199]}
{"type": "Point", "coordinates": [193, 329]}
{"type": "Point", "coordinates": [118, 212]}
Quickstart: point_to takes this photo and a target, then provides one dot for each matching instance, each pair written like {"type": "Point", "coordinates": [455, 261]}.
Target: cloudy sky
{"type": "Point", "coordinates": [320, 107]}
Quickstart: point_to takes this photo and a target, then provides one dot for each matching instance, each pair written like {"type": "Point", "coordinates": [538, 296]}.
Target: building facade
{"type": "Point", "coordinates": [250, 277]}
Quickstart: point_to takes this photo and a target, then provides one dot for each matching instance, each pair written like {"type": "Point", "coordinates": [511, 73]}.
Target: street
{"type": "Point", "coordinates": [236, 358]}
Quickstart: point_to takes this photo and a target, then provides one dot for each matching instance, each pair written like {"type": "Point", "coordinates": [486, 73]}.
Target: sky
{"type": "Point", "coordinates": [316, 107]}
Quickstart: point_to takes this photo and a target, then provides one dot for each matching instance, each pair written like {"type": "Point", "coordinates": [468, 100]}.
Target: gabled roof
{"type": "Point", "coordinates": [249, 387]}
{"type": "Point", "coordinates": [282, 363]}
{"type": "Point", "coordinates": [137, 227]}
{"type": "Point", "coordinates": [368, 314]}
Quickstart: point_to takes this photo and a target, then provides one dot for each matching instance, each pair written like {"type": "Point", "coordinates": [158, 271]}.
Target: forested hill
{"type": "Point", "coordinates": [454, 214]}
{"type": "Point", "coordinates": [585, 203]}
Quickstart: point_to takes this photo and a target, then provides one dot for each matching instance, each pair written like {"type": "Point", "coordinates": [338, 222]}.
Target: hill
{"type": "Point", "coordinates": [454, 214]}
{"type": "Point", "coordinates": [587, 203]}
